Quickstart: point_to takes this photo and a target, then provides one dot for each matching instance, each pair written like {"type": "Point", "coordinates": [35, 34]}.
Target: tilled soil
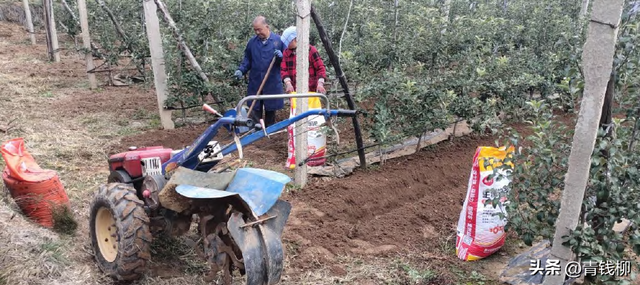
{"type": "Point", "coordinates": [407, 205]}
{"type": "Point", "coordinates": [411, 204]}
{"type": "Point", "coordinates": [406, 202]}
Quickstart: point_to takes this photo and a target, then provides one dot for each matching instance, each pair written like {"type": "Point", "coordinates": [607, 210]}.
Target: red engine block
{"type": "Point", "coordinates": [130, 161]}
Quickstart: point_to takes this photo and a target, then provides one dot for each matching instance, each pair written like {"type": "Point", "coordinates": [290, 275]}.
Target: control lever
{"type": "Point", "coordinates": [264, 130]}
{"type": "Point", "coordinates": [208, 108]}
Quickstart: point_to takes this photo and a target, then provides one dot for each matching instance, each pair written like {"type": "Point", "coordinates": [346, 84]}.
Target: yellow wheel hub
{"type": "Point", "coordinates": [106, 234]}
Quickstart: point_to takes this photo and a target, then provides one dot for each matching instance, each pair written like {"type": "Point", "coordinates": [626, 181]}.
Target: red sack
{"type": "Point", "coordinates": [38, 192]}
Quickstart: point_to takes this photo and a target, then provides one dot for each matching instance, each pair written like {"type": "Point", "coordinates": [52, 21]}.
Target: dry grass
{"type": "Point", "coordinates": [74, 146]}
{"type": "Point", "coordinates": [351, 270]}
{"type": "Point", "coordinates": [30, 254]}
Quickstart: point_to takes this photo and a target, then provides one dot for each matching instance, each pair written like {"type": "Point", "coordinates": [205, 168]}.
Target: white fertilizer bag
{"type": "Point", "coordinates": [480, 230]}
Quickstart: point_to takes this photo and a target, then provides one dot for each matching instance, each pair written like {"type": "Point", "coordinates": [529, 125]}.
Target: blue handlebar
{"type": "Point", "coordinates": [188, 157]}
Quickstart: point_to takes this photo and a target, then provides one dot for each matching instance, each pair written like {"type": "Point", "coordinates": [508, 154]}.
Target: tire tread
{"type": "Point", "coordinates": [134, 236]}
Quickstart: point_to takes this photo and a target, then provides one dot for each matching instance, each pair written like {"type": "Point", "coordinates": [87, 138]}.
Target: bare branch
{"type": "Point", "coordinates": [119, 29]}
{"type": "Point", "coordinates": [73, 15]}
{"type": "Point", "coordinates": [344, 29]}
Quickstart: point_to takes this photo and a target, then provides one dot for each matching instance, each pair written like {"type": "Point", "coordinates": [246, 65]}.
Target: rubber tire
{"type": "Point", "coordinates": [119, 176]}
{"type": "Point", "coordinates": [133, 235]}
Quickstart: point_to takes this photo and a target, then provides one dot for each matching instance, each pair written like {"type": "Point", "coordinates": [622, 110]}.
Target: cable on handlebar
{"type": "Point", "coordinates": [335, 130]}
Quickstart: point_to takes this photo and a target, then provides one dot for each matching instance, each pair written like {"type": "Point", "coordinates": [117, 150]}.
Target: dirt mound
{"type": "Point", "coordinates": [175, 139]}
{"type": "Point", "coordinates": [412, 202]}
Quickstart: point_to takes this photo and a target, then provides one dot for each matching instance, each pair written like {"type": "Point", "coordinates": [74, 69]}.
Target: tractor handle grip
{"type": "Point", "coordinates": [208, 108]}
{"type": "Point", "coordinates": [244, 122]}
{"type": "Point", "coordinates": [346, 113]}
{"type": "Point", "coordinates": [322, 97]}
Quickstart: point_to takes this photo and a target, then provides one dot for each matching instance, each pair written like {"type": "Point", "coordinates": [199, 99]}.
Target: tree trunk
{"type": "Point", "coordinates": [52, 34]}
{"type": "Point", "coordinates": [584, 9]}
{"type": "Point", "coordinates": [597, 58]}
{"type": "Point", "coordinates": [93, 47]}
{"type": "Point", "coordinates": [343, 82]}
{"type": "Point", "coordinates": [606, 126]}
{"type": "Point", "coordinates": [66, 7]}
{"type": "Point", "coordinates": [395, 35]}
{"type": "Point", "coordinates": [447, 12]}
{"type": "Point", "coordinates": [119, 29]}
{"type": "Point", "coordinates": [86, 41]}
{"type": "Point", "coordinates": [344, 30]}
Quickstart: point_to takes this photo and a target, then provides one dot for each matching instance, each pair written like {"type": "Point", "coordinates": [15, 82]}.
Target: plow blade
{"type": "Point", "coordinates": [259, 188]}
{"type": "Point", "coordinates": [261, 243]}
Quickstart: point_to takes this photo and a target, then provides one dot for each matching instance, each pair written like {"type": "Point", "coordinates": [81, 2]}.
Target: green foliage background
{"type": "Point", "coordinates": [613, 188]}
{"type": "Point", "coordinates": [410, 68]}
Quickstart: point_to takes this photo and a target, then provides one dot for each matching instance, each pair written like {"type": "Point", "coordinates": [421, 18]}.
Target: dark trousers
{"type": "Point", "coordinates": [269, 116]}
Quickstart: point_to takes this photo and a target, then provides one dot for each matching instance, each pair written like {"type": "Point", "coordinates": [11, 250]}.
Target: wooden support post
{"type": "Point", "coordinates": [52, 34]}
{"type": "Point", "coordinates": [157, 61]}
{"type": "Point", "coordinates": [302, 83]}
{"type": "Point", "coordinates": [27, 12]}
{"type": "Point", "coordinates": [343, 82]}
{"type": "Point", "coordinates": [45, 20]}
{"type": "Point", "coordinates": [597, 59]}
{"type": "Point", "coordinates": [86, 42]}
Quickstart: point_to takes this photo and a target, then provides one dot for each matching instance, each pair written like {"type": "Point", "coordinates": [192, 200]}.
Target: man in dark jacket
{"type": "Point", "coordinates": [260, 50]}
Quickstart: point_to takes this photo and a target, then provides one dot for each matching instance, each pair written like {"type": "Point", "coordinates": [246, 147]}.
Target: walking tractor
{"type": "Point", "coordinates": [159, 191]}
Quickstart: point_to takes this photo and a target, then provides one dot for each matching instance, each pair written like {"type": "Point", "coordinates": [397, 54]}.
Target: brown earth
{"type": "Point", "coordinates": [118, 100]}
{"type": "Point", "coordinates": [406, 205]}
{"type": "Point", "coordinates": [409, 205]}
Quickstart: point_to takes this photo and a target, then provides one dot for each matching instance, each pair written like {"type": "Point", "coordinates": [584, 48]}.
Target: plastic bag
{"type": "Point", "coordinates": [316, 139]}
{"type": "Point", "coordinates": [38, 192]}
{"type": "Point", "coordinates": [480, 230]}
